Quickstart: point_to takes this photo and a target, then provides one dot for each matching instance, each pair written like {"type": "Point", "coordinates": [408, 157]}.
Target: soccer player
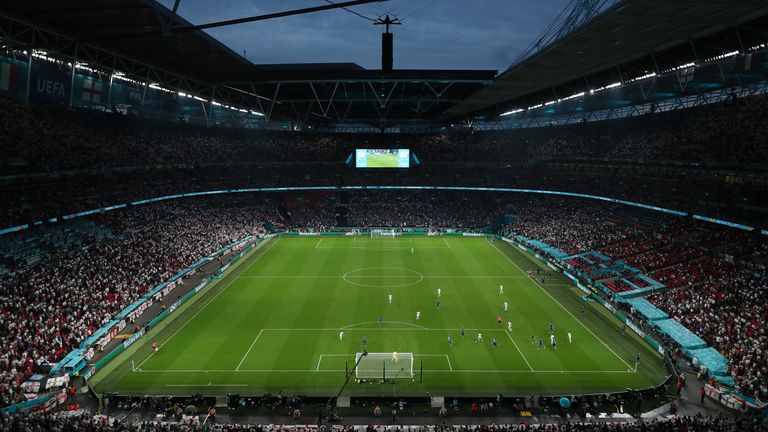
{"type": "Point", "coordinates": [509, 325]}
{"type": "Point", "coordinates": [533, 338]}
{"type": "Point", "coordinates": [570, 339]}
{"type": "Point", "coordinates": [462, 331]}
{"type": "Point", "coordinates": [501, 289]}
{"type": "Point", "coordinates": [637, 361]}
{"type": "Point", "coordinates": [418, 315]}
{"type": "Point", "coordinates": [582, 310]}
{"type": "Point", "coordinates": [154, 346]}
{"type": "Point", "coordinates": [390, 299]}
{"type": "Point", "coordinates": [541, 344]}
{"type": "Point", "coordinates": [438, 303]}
{"type": "Point", "coordinates": [506, 306]}
{"type": "Point", "coordinates": [554, 344]}
{"type": "Point", "coordinates": [551, 327]}
{"type": "Point", "coordinates": [341, 335]}
{"type": "Point", "coordinates": [381, 320]}
{"type": "Point", "coordinates": [551, 339]}
{"type": "Point", "coordinates": [498, 320]}
{"type": "Point", "coordinates": [450, 341]}
{"type": "Point", "coordinates": [438, 292]}
{"type": "Point", "coordinates": [394, 357]}
{"type": "Point", "coordinates": [494, 343]}
{"type": "Point", "coordinates": [479, 337]}
{"type": "Point", "coordinates": [365, 341]}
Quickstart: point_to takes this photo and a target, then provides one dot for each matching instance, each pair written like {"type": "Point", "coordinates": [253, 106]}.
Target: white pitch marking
{"type": "Point", "coordinates": [419, 328]}
{"type": "Point", "coordinates": [449, 362]}
{"type": "Point", "coordinates": [249, 349]}
{"type": "Point", "coordinates": [426, 370]}
{"type": "Point", "coordinates": [447, 244]}
{"type": "Point", "coordinates": [518, 350]}
{"type": "Point", "coordinates": [384, 277]}
{"type": "Point", "coordinates": [559, 304]}
{"type": "Point", "coordinates": [209, 302]}
{"type": "Point", "coordinates": [206, 385]}
{"type": "Point", "coordinates": [318, 243]}
{"type": "Point", "coordinates": [390, 322]}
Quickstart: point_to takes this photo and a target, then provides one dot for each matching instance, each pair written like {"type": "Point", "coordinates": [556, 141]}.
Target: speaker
{"type": "Point", "coordinates": [387, 45]}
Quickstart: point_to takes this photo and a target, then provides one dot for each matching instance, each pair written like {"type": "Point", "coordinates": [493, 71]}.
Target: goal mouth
{"type": "Point", "coordinates": [387, 366]}
{"type": "Point", "coordinates": [383, 233]}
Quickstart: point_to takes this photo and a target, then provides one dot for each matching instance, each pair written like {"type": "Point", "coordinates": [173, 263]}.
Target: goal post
{"type": "Point", "coordinates": [383, 233]}
{"type": "Point", "coordinates": [384, 366]}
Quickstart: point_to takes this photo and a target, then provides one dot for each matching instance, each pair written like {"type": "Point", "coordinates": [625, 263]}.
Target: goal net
{"type": "Point", "coordinates": [384, 366]}
{"type": "Point", "coordinates": [382, 233]}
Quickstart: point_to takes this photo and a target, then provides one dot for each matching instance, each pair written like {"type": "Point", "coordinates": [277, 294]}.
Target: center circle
{"type": "Point", "coordinates": [383, 277]}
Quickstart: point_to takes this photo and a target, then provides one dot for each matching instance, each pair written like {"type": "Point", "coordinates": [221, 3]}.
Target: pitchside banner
{"type": "Point", "coordinates": [50, 83]}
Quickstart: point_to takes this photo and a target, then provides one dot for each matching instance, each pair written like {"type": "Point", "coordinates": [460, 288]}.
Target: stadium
{"type": "Point", "coordinates": [517, 216]}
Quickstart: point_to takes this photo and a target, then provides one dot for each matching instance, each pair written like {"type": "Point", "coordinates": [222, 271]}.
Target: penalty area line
{"type": "Point", "coordinates": [249, 349]}
{"type": "Point", "coordinates": [561, 305]}
{"type": "Point", "coordinates": [206, 385]}
{"type": "Point", "coordinates": [479, 371]}
{"type": "Point", "coordinates": [205, 306]}
{"type": "Point", "coordinates": [518, 350]}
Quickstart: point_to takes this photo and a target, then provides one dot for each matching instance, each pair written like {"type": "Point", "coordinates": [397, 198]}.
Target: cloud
{"type": "Point", "coordinates": [436, 34]}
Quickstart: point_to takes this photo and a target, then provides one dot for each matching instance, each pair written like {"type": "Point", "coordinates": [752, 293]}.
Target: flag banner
{"type": "Point", "coordinates": [685, 76]}
{"type": "Point", "coordinates": [92, 91]}
{"type": "Point", "coordinates": [50, 83]}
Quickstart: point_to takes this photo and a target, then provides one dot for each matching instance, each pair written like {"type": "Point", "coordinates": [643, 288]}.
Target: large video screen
{"type": "Point", "coordinates": [382, 158]}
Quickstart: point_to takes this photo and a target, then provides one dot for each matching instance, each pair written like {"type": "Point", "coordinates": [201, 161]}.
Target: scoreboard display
{"type": "Point", "coordinates": [382, 158]}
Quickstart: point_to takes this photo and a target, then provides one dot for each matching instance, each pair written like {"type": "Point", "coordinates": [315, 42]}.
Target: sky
{"type": "Point", "coordinates": [435, 34]}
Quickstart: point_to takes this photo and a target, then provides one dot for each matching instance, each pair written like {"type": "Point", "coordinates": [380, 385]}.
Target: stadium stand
{"type": "Point", "coordinates": [723, 303]}
{"type": "Point", "coordinates": [90, 422]}
{"type": "Point", "coordinates": [107, 197]}
{"type": "Point", "coordinates": [180, 157]}
{"type": "Point", "coordinates": [48, 308]}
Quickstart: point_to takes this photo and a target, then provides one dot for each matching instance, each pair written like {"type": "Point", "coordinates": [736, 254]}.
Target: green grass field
{"type": "Point", "coordinates": [382, 160]}
{"type": "Point", "coordinates": [273, 322]}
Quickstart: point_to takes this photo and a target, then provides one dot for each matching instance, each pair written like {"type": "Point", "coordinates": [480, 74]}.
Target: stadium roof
{"type": "Point", "coordinates": [307, 93]}
{"type": "Point", "coordinates": [628, 40]}
{"type": "Point", "coordinates": [134, 28]}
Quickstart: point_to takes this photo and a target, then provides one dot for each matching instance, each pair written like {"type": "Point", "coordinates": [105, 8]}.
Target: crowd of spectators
{"type": "Point", "coordinates": [58, 162]}
{"type": "Point", "coordinates": [75, 140]}
{"type": "Point", "coordinates": [717, 293]}
{"type": "Point", "coordinates": [49, 308]}
{"type": "Point", "coordinates": [85, 421]}
{"type": "Point", "coordinates": [425, 209]}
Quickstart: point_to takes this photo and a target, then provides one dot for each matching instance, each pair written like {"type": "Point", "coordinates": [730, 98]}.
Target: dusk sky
{"type": "Point", "coordinates": [436, 34]}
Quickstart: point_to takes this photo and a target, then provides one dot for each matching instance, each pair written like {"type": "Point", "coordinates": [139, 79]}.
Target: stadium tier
{"type": "Point", "coordinates": [190, 241]}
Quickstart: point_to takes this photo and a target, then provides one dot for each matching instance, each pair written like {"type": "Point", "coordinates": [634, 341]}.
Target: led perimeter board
{"type": "Point", "coordinates": [382, 158]}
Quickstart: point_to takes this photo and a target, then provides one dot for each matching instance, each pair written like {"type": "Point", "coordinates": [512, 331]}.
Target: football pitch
{"type": "Point", "coordinates": [274, 321]}
{"type": "Point", "coordinates": [382, 160]}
